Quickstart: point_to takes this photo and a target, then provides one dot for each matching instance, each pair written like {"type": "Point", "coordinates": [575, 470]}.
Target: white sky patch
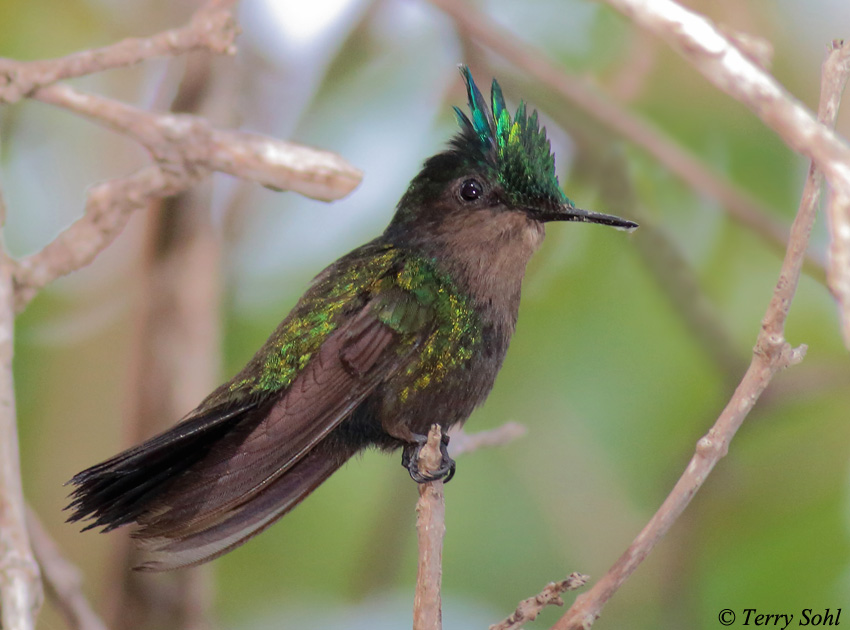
{"type": "Point", "coordinates": [301, 22]}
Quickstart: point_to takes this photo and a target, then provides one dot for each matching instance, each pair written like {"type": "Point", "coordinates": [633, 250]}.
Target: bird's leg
{"type": "Point", "coordinates": [410, 460]}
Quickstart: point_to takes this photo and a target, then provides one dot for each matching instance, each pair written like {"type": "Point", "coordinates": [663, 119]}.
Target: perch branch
{"type": "Point", "coordinates": [211, 28]}
{"type": "Point", "coordinates": [740, 205]}
{"type": "Point", "coordinates": [430, 530]}
{"type": "Point", "coordinates": [529, 609]}
{"type": "Point", "coordinates": [771, 354]}
{"type": "Point", "coordinates": [61, 579]}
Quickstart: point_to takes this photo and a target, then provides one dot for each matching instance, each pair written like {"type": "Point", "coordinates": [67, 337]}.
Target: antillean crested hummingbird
{"type": "Point", "coordinates": [403, 332]}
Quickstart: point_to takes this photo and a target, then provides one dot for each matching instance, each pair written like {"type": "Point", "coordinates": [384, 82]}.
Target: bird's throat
{"type": "Point", "coordinates": [487, 256]}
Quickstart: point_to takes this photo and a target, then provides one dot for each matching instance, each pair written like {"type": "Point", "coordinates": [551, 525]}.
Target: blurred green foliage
{"type": "Point", "coordinates": [603, 370]}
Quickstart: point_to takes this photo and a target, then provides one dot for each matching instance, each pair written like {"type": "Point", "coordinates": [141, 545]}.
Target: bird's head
{"type": "Point", "coordinates": [496, 163]}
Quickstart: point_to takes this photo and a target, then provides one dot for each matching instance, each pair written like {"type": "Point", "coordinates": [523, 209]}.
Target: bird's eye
{"type": "Point", "coordinates": [471, 190]}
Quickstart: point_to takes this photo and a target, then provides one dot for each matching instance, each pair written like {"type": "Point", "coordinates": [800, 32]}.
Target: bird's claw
{"type": "Point", "coordinates": [410, 460]}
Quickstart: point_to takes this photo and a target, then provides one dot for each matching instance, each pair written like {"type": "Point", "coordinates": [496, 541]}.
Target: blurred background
{"type": "Point", "coordinates": [626, 351]}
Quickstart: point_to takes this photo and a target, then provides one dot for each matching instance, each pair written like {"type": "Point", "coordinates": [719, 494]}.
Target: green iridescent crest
{"type": "Point", "coordinates": [516, 148]}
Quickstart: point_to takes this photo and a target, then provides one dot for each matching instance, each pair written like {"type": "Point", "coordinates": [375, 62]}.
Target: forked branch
{"type": "Point", "coordinates": [771, 354]}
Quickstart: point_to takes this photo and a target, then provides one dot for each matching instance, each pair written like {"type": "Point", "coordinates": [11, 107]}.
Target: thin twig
{"type": "Point", "coordinates": [61, 579]}
{"type": "Point", "coordinates": [771, 354]}
{"type": "Point", "coordinates": [211, 28]}
{"type": "Point", "coordinates": [108, 208]}
{"type": "Point", "coordinates": [529, 609]}
{"type": "Point", "coordinates": [463, 442]}
{"type": "Point", "coordinates": [430, 530]}
{"type": "Point", "coordinates": [740, 205]}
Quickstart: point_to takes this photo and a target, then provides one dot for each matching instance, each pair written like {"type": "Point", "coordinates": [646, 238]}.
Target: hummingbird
{"type": "Point", "coordinates": [404, 332]}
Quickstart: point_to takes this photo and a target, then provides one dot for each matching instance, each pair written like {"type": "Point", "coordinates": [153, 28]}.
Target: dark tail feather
{"type": "Point", "coordinates": [144, 483]}
{"type": "Point", "coordinates": [119, 490]}
{"type": "Point", "coordinates": [206, 539]}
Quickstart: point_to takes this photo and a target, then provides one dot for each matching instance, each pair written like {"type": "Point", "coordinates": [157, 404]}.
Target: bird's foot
{"type": "Point", "coordinates": [410, 460]}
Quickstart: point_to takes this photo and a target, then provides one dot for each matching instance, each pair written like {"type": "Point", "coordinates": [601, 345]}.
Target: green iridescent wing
{"type": "Point", "coordinates": [334, 296]}
{"type": "Point", "coordinates": [404, 292]}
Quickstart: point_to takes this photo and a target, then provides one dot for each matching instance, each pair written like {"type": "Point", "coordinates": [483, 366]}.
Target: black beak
{"type": "Point", "coordinates": [568, 212]}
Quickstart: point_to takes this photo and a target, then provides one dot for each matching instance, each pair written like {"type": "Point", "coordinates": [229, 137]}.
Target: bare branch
{"type": "Point", "coordinates": [838, 207]}
{"type": "Point", "coordinates": [740, 205]}
{"type": "Point", "coordinates": [463, 442]}
{"type": "Point", "coordinates": [771, 354]}
{"type": "Point", "coordinates": [529, 609]}
{"type": "Point", "coordinates": [834, 74]}
{"type": "Point", "coordinates": [759, 50]}
{"type": "Point", "coordinates": [280, 165]}
{"type": "Point", "coordinates": [701, 43]}
{"type": "Point", "coordinates": [62, 579]}
{"type": "Point", "coordinates": [191, 143]}
{"type": "Point", "coordinates": [430, 530]}
{"type": "Point", "coordinates": [20, 584]}
{"type": "Point", "coordinates": [211, 28]}
{"type": "Point", "coordinates": [108, 209]}
{"type": "Point", "coordinates": [187, 148]}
